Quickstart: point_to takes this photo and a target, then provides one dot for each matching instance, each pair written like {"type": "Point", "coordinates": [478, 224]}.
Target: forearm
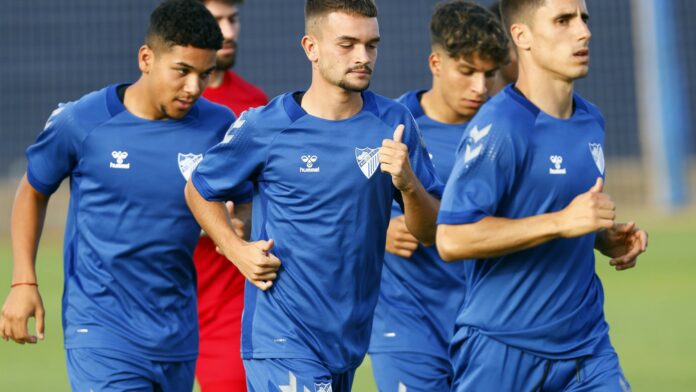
{"type": "Point", "coordinates": [28, 214]}
{"type": "Point", "coordinates": [213, 218]}
{"type": "Point", "coordinates": [420, 211]}
{"type": "Point", "coordinates": [493, 237]}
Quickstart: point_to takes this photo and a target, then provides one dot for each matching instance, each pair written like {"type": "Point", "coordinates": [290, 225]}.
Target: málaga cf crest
{"type": "Point", "coordinates": [187, 163]}
{"type": "Point", "coordinates": [598, 156]}
{"type": "Point", "coordinates": [368, 160]}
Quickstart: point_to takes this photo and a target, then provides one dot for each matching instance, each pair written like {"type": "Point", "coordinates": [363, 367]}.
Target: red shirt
{"type": "Point", "coordinates": [220, 284]}
{"type": "Point", "coordinates": [236, 93]}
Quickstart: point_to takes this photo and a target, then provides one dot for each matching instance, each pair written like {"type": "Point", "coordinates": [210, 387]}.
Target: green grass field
{"type": "Point", "coordinates": [651, 310]}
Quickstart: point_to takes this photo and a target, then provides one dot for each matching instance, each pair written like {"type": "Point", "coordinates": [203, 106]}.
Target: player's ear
{"type": "Point", "coordinates": [435, 63]}
{"type": "Point", "coordinates": [309, 44]}
{"type": "Point", "coordinates": [521, 36]}
{"type": "Point", "coordinates": [146, 57]}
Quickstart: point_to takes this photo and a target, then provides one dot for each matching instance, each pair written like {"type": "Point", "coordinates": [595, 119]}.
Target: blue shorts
{"type": "Point", "coordinates": [301, 375]}
{"type": "Point", "coordinates": [411, 372]}
{"type": "Point", "coordinates": [484, 364]}
{"type": "Point", "coordinates": [94, 369]}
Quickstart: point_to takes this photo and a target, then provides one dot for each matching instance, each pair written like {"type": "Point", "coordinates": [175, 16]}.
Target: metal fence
{"type": "Point", "coordinates": [56, 50]}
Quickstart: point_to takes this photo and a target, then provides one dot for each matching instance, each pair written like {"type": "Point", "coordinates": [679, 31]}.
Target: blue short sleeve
{"type": "Point", "coordinates": [228, 170]}
{"type": "Point", "coordinates": [421, 164]}
{"type": "Point", "coordinates": [482, 174]}
{"type": "Point", "coordinates": [55, 153]}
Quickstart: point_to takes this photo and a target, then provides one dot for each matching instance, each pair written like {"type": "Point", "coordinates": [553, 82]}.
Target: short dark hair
{"type": "Point", "coordinates": [462, 29]}
{"type": "Point", "coordinates": [314, 8]}
{"type": "Point", "coordinates": [512, 10]}
{"type": "Point", "coordinates": [183, 23]}
{"type": "Point", "coordinates": [230, 2]}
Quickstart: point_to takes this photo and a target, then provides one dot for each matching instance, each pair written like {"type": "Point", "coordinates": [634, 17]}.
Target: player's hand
{"type": "Point", "coordinates": [624, 242]}
{"type": "Point", "coordinates": [22, 303]}
{"type": "Point", "coordinates": [393, 159]}
{"type": "Point", "coordinates": [588, 212]}
{"type": "Point", "coordinates": [255, 262]}
{"type": "Point", "coordinates": [400, 241]}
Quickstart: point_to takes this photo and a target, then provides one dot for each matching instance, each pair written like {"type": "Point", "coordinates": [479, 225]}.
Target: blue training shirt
{"type": "Point", "coordinates": [129, 237]}
{"type": "Point", "coordinates": [320, 194]}
{"type": "Point", "coordinates": [420, 296]}
{"type": "Point", "coordinates": [514, 162]}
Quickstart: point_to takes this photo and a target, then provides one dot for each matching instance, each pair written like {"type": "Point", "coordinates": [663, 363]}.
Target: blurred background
{"type": "Point", "coordinates": [643, 78]}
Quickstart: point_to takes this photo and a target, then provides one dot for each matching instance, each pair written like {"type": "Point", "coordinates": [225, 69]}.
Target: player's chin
{"type": "Point", "coordinates": [356, 87]}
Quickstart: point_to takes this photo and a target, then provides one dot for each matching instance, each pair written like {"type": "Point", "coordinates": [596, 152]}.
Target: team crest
{"type": "Point", "coordinates": [188, 163]}
{"type": "Point", "coordinates": [598, 156]}
{"type": "Point", "coordinates": [368, 160]}
{"type": "Point", "coordinates": [322, 387]}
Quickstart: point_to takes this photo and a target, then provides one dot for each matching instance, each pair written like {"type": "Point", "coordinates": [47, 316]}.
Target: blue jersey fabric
{"type": "Point", "coordinates": [516, 161]}
{"type": "Point", "coordinates": [320, 194]}
{"type": "Point", "coordinates": [420, 296]}
{"type": "Point", "coordinates": [93, 369]}
{"type": "Point", "coordinates": [129, 237]}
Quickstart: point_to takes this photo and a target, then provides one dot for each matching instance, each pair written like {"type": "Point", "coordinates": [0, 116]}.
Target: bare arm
{"type": "Point", "coordinates": [24, 301]}
{"type": "Point", "coordinates": [420, 208]}
{"type": "Point", "coordinates": [492, 236]}
{"type": "Point", "coordinates": [253, 259]}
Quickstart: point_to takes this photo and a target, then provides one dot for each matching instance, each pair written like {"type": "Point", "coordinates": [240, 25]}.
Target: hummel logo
{"type": "Point", "coordinates": [119, 156]}
{"type": "Point", "coordinates": [475, 136]}
{"type": "Point", "coordinates": [557, 160]}
{"type": "Point", "coordinates": [309, 161]}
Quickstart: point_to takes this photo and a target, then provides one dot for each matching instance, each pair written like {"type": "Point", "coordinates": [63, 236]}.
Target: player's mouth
{"type": "Point", "coordinates": [184, 104]}
{"type": "Point", "coordinates": [583, 55]}
{"type": "Point", "coordinates": [228, 48]}
{"type": "Point", "coordinates": [361, 71]}
{"type": "Point", "coordinates": [472, 103]}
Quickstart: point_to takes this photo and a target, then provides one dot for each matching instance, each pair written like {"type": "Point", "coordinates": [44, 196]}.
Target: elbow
{"type": "Point", "coordinates": [453, 246]}
{"type": "Point", "coordinates": [446, 245]}
{"type": "Point", "coordinates": [427, 239]}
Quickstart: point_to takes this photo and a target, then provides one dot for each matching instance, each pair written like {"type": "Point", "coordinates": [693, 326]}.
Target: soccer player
{"type": "Point", "coordinates": [420, 294]}
{"type": "Point", "coordinates": [326, 164]}
{"type": "Point", "coordinates": [220, 284]}
{"type": "Point", "coordinates": [525, 201]}
{"type": "Point", "coordinates": [507, 73]}
{"type": "Point", "coordinates": [129, 302]}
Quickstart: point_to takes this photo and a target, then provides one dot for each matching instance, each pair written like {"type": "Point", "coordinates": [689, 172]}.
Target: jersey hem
{"type": "Point", "coordinates": [297, 355]}
{"type": "Point", "coordinates": [458, 218]}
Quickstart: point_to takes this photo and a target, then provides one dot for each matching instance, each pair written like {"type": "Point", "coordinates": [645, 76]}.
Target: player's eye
{"type": "Point", "coordinates": [205, 75]}
{"type": "Point", "coordinates": [466, 71]}
{"type": "Point", "coordinates": [491, 74]}
{"type": "Point", "coordinates": [182, 71]}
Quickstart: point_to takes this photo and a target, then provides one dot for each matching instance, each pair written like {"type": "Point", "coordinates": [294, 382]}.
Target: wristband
{"type": "Point", "coordinates": [13, 285]}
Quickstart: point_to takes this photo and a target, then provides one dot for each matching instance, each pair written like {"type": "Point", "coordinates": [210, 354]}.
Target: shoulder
{"type": "Point", "coordinates": [211, 111]}
{"type": "Point", "coordinates": [592, 109]}
{"type": "Point", "coordinates": [505, 116]}
{"type": "Point", "coordinates": [390, 111]}
{"type": "Point", "coordinates": [266, 120]}
{"type": "Point", "coordinates": [86, 113]}
{"type": "Point", "coordinates": [410, 100]}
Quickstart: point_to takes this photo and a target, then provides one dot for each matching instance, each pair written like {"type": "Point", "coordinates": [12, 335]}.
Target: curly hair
{"type": "Point", "coordinates": [462, 29]}
{"type": "Point", "coordinates": [183, 23]}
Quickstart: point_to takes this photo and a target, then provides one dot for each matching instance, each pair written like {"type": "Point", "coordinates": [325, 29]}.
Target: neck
{"type": "Point", "coordinates": [436, 108]}
{"type": "Point", "coordinates": [551, 94]}
{"type": "Point", "coordinates": [330, 102]}
{"type": "Point", "coordinates": [216, 78]}
{"type": "Point", "coordinates": [139, 102]}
